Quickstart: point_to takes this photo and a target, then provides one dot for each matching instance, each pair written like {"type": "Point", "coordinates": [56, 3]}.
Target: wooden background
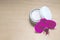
{"type": "Point", "coordinates": [14, 19]}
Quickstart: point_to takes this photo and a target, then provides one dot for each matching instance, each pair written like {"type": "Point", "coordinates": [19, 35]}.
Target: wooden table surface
{"type": "Point", "coordinates": [14, 19]}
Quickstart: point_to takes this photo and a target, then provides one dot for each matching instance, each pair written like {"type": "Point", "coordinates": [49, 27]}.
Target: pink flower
{"type": "Point", "coordinates": [44, 25]}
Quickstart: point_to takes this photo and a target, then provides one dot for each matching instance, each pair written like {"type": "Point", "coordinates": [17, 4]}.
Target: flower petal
{"type": "Point", "coordinates": [51, 24]}
{"type": "Point", "coordinates": [38, 30]}
{"type": "Point", "coordinates": [39, 27]}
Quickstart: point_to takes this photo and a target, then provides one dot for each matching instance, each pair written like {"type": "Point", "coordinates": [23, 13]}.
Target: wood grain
{"type": "Point", "coordinates": [14, 19]}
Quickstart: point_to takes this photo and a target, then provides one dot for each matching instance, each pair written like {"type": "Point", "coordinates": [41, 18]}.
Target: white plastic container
{"type": "Point", "coordinates": [37, 14]}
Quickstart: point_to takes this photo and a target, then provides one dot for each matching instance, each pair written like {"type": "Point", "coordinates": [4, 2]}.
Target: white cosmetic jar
{"type": "Point", "coordinates": [43, 12]}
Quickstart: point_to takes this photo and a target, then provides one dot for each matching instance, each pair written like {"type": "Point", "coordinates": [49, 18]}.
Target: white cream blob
{"type": "Point", "coordinates": [43, 12]}
{"type": "Point", "coordinates": [35, 16]}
